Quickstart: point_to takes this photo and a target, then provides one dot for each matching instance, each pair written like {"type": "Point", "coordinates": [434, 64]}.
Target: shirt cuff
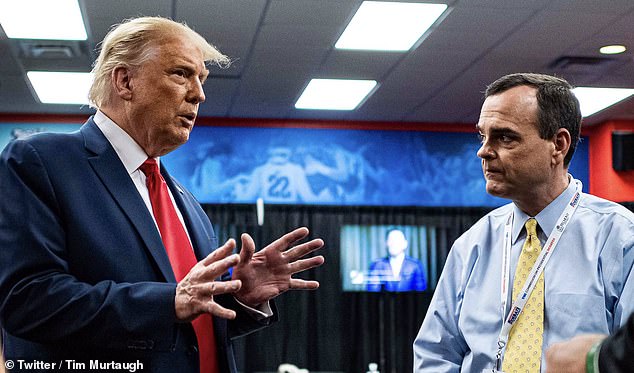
{"type": "Point", "coordinates": [592, 358]}
{"type": "Point", "coordinates": [263, 311]}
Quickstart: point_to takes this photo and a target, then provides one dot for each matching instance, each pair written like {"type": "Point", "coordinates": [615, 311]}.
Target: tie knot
{"type": "Point", "coordinates": [149, 167]}
{"type": "Point", "coordinates": [532, 242]}
{"type": "Point", "coordinates": [531, 227]}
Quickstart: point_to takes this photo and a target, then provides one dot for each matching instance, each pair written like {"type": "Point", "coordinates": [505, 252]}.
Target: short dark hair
{"type": "Point", "coordinates": [557, 105]}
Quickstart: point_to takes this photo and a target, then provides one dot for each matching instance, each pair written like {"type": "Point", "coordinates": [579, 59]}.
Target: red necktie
{"type": "Point", "coordinates": [181, 256]}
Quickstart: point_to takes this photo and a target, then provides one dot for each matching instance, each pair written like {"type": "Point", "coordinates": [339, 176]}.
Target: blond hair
{"type": "Point", "coordinates": [132, 42]}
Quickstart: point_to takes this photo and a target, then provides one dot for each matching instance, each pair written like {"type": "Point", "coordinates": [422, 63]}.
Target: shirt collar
{"type": "Point", "coordinates": [399, 258]}
{"type": "Point", "coordinates": [129, 151]}
{"type": "Point", "coordinates": [547, 218]}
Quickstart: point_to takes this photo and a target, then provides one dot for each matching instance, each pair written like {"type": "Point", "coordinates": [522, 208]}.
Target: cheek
{"type": "Point", "coordinates": [165, 98]}
{"type": "Point", "coordinates": [155, 106]}
{"type": "Point", "coordinates": [164, 114]}
{"type": "Point", "coordinates": [529, 168]}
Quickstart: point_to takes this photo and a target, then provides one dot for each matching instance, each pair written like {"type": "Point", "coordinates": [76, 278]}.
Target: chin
{"type": "Point", "coordinates": [495, 190]}
{"type": "Point", "coordinates": [182, 136]}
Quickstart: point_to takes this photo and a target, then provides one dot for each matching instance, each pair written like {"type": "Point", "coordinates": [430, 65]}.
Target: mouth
{"type": "Point", "coordinates": [492, 172]}
{"type": "Point", "coordinates": [189, 118]}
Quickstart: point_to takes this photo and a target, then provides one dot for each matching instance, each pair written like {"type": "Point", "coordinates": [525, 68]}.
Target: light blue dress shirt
{"type": "Point", "coordinates": [588, 284]}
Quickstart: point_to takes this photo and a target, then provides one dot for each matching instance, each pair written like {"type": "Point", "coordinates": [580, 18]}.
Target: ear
{"type": "Point", "coordinates": [562, 142]}
{"type": "Point", "coordinates": [122, 82]}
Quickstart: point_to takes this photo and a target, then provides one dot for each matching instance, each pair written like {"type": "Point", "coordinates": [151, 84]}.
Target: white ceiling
{"type": "Point", "coordinates": [279, 45]}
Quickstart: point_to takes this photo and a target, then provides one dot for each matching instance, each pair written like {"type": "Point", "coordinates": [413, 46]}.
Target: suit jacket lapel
{"type": "Point", "coordinates": [113, 174]}
{"type": "Point", "coordinates": [202, 242]}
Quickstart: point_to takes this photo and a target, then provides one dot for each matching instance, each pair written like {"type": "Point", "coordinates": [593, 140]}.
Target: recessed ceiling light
{"type": "Point", "coordinates": [593, 99]}
{"type": "Point", "coordinates": [54, 87]}
{"type": "Point", "coordinates": [388, 26]}
{"type": "Point", "coordinates": [612, 49]}
{"type": "Point", "coordinates": [334, 94]}
{"type": "Point", "coordinates": [42, 19]}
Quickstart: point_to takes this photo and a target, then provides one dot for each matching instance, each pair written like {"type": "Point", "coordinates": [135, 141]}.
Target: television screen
{"type": "Point", "coordinates": [392, 258]}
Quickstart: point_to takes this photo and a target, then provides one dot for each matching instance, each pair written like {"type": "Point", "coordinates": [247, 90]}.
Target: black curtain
{"type": "Point", "coordinates": [328, 329]}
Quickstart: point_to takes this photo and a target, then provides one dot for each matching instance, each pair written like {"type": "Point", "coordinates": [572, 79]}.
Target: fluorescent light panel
{"type": "Point", "coordinates": [388, 26]}
{"type": "Point", "coordinates": [612, 49]}
{"type": "Point", "coordinates": [334, 94]}
{"type": "Point", "coordinates": [594, 99]}
{"type": "Point", "coordinates": [42, 19]}
{"type": "Point", "coordinates": [61, 87]}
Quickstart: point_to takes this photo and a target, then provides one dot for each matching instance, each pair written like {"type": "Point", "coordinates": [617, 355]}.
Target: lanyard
{"type": "Point", "coordinates": [536, 271]}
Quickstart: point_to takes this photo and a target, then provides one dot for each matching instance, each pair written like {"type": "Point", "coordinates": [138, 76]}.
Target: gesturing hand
{"type": "Point", "coordinates": [267, 273]}
{"type": "Point", "coordinates": [194, 293]}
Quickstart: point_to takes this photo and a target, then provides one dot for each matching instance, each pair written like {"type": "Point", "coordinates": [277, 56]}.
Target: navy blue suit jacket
{"type": "Point", "coordinates": [412, 276]}
{"type": "Point", "coordinates": [83, 271]}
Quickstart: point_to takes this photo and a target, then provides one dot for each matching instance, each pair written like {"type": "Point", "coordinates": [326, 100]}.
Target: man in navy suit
{"type": "Point", "coordinates": [84, 273]}
{"type": "Point", "coordinates": [397, 271]}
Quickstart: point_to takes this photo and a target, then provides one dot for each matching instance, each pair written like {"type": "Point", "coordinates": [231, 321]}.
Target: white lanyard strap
{"type": "Point", "coordinates": [506, 261]}
{"type": "Point", "coordinates": [536, 271]}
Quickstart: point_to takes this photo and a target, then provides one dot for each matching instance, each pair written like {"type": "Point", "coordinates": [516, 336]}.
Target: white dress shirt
{"type": "Point", "coordinates": [396, 263]}
{"type": "Point", "coordinates": [132, 156]}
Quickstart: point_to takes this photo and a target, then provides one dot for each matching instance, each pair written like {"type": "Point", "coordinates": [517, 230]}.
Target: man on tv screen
{"type": "Point", "coordinates": [397, 271]}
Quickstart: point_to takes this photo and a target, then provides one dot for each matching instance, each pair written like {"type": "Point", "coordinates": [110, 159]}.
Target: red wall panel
{"type": "Point", "coordinates": [604, 181]}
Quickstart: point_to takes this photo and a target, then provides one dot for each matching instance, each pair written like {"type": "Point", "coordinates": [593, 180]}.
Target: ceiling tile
{"type": "Point", "coordinates": [277, 46]}
{"type": "Point", "coordinates": [359, 65]}
{"type": "Point", "coordinates": [8, 63]}
{"type": "Point", "coordinates": [218, 92]}
{"type": "Point", "coordinates": [553, 33]}
{"type": "Point", "coordinates": [101, 15]}
{"type": "Point", "coordinates": [310, 12]}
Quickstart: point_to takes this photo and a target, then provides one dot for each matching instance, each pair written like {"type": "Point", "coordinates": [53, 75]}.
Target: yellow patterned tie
{"type": "Point", "coordinates": [524, 348]}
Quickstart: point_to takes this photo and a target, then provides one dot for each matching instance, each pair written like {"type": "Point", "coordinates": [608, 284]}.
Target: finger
{"type": "Point", "coordinates": [215, 309]}
{"type": "Point", "coordinates": [289, 239]}
{"type": "Point", "coordinates": [220, 287]}
{"type": "Point", "coordinates": [299, 284]}
{"type": "Point", "coordinates": [304, 264]}
{"type": "Point", "coordinates": [221, 252]}
{"type": "Point", "coordinates": [248, 248]}
{"type": "Point", "coordinates": [303, 249]}
{"type": "Point", "coordinates": [219, 267]}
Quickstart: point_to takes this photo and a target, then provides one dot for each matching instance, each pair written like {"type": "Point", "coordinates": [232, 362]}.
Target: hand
{"type": "Point", "coordinates": [195, 292]}
{"type": "Point", "coordinates": [570, 356]}
{"type": "Point", "coordinates": [267, 273]}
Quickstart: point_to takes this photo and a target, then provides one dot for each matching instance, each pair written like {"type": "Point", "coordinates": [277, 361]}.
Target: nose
{"type": "Point", "coordinates": [485, 151]}
{"type": "Point", "coordinates": [196, 93]}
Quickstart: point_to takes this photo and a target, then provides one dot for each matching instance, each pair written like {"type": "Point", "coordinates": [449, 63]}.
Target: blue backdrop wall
{"type": "Point", "coordinates": [326, 166]}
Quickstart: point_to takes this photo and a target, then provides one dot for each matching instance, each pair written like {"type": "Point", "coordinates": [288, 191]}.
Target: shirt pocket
{"type": "Point", "coordinates": [571, 314]}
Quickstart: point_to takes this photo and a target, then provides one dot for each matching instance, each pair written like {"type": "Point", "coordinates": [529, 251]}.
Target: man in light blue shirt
{"type": "Point", "coordinates": [529, 126]}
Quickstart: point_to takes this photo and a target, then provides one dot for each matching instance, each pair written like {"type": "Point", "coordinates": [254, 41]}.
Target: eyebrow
{"type": "Point", "coordinates": [499, 131]}
{"type": "Point", "coordinates": [504, 131]}
{"type": "Point", "coordinates": [203, 75]}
